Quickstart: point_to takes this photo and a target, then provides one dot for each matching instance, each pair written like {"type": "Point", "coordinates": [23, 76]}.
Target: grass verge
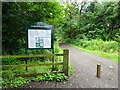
{"type": "Point", "coordinates": [111, 56]}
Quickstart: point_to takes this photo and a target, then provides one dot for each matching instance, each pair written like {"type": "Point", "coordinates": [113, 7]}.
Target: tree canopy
{"type": "Point", "coordinates": [85, 20]}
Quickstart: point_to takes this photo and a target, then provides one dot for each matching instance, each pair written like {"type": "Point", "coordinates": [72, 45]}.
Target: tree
{"type": "Point", "coordinates": [17, 14]}
{"type": "Point", "coordinates": [92, 20]}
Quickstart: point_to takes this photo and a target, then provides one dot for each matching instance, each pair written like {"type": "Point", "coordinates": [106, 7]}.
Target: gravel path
{"type": "Point", "coordinates": [85, 72]}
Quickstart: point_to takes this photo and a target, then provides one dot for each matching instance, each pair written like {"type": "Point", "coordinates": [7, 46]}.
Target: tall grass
{"type": "Point", "coordinates": [108, 49]}
{"type": "Point", "coordinates": [98, 44]}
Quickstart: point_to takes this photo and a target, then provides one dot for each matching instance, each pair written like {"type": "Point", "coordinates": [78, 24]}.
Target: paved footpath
{"type": "Point", "coordinates": [85, 72]}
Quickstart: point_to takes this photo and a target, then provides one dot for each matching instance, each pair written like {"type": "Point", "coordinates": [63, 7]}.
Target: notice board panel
{"type": "Point", "coordinates": [39, 36]}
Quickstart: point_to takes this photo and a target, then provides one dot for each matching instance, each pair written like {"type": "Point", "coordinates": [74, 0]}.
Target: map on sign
{"type": "Point", "coordinates": [38, 38]}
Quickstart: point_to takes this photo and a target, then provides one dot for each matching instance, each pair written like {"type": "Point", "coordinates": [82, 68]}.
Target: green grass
{"type": "Point", "coordinates": [111, 56]}
{"type": "Point", "coordinates": [31, 70]}
{"type": "Point", "coordinates": [34, 69]}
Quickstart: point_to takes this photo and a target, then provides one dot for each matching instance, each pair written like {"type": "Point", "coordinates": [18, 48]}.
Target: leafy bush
{"type": "Point", "coordinates": [55, 77]}
{"type": "Point", "coordinates": [19, 81]}
{"type": "Point", "coordinates": [14, 82]}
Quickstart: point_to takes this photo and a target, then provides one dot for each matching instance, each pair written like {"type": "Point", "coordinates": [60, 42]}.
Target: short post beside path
{"type": "Point", "coordinates": [65, 61]}
{"type": "Point", "coordinates": [98, 70]}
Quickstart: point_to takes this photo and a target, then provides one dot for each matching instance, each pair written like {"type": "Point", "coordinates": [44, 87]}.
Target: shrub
{"type": "Point", "coordinates": [98, 44]}
{"type": "Point", "coordinates": [19, 81]}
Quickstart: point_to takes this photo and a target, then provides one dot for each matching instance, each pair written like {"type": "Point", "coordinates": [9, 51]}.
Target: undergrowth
{"type": "Point", "coordinates": [13, 82]}
{"type": "Point", "coordinates": [97, 44]}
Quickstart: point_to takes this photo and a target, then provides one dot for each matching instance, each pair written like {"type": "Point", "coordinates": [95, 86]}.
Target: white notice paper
{"type": "Point", "coordinates": [47, 42]}
{"type": "Point", "coordinates": [38, 38]}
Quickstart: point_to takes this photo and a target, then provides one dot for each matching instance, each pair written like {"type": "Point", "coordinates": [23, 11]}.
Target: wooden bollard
{"type": "Point", "coordinates": [98, 70]}
{"type": "Point", "coordinates": [65, 61]}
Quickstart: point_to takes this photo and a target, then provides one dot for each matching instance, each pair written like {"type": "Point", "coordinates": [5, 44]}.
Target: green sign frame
{"type": "Point", "coordinates": [40, 26]}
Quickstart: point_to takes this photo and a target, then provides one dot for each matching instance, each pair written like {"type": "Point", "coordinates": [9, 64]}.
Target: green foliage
{"type": "Point", "coordinates": [8, 61]}
{"type": "Point", "coordinates": [55, 77]}
{"type": "Point", "coordinates": [90, 25]}
{"type": "Point", "coordinates": [71, 70]}
{"type": "Point", "coordinates": [38, 78]}
{"type": "Point", "coordinates": [108, 49]}
{"type": "Point", "coordinates": [91, 20]}
{"type": "Point", "coordinates": [34, 69]}
{"type": "Point", "coordinates": [97, 44]}
{"type": "Point", "coordinates": [20, 81]}
{"type": "Point", "coordinates": [14, 82]}
{"type": "Point", "coordinates": [16, 15]}
{"type": "Point", "coordinates": [97, 27]}
{"type": "Point", "coordinates": [86, 20]}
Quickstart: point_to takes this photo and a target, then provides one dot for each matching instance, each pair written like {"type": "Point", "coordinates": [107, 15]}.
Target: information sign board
{"type": "Point", "coordinates": [40, 36]}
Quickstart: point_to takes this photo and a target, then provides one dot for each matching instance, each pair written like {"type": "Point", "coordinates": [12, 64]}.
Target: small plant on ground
{"type": "Point", "coordinates": [20, 81]}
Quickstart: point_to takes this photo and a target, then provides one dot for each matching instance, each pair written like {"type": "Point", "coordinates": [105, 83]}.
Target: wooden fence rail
{"type": "Point", "coordinates": [65, 62]}
{"type": "Point", "coordinates": [29, 65]}
{"type": "Point", "coordinates": [25, 56]}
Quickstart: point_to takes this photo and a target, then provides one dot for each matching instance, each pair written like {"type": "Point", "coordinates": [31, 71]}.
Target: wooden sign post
{"type": "Point", "coordinates": [39, 35]}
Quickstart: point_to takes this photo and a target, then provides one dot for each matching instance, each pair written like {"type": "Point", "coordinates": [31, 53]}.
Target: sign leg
{"type": "Point", "coordinates": [26, 61]}
{"type": "Point", "coordinates": [53, 67]}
